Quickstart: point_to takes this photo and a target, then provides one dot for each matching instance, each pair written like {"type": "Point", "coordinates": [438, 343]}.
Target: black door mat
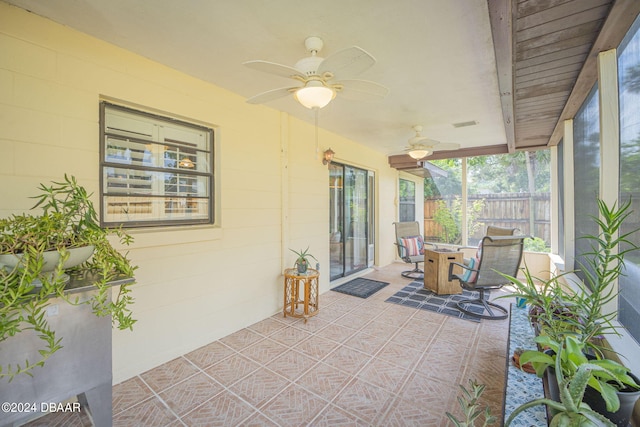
{"type": "Point", "coordinates": [362, 288]}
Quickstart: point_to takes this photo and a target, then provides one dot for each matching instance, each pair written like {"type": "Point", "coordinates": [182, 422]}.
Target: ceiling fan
{"type": "Point", "coordinates": [319, 79]}
{"type": "Point", "coordinates": [421, 146]}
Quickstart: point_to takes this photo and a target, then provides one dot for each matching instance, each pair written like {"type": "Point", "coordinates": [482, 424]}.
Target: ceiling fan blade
{"type": "Point", "coordinates": [347, 63]}
{"type": "Point", "coordinates": [270, 95]}
{"type": "Point", "coordinates": [273, 68]}
{"type": "Point", "coordinates": [423, 140]}
{"type": "Point", "coordinates": [362, 90]}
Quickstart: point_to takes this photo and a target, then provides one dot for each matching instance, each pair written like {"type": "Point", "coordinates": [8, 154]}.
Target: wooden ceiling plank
{"type": "Point", "coordinates": [529, 7]}
{"type": "Point", "coordinates": [571, 64]}
{"type": "Point", "coordinates": [545, 117]}
{"type": "Point", "coordinates": [584, 19]}
{"type": "Point", "coordinates": [523, 53]}
{"type": "Point", "coordinates": [590, 28]}
{"type": "Point", "coordinates": [542, 77]}
{"type": "Point", "coordinates": [539, 90]}
{"type": "Point", "coordinates": [537, 100]}
{"type": "Point", "coordinates": [578, 52]}
{"type": "Point", "coordinates": [537, 130]}
{"type": "Point", "coordinates": [555, 110]}
{"type": "Point", "coordinates": [620, 19]}
{"type": "Point", "coordinates": [587, 8]}
{"type": "Point", "coordinates": [557, 105]}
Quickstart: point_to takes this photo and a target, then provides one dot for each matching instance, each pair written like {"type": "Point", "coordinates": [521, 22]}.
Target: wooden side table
{"type": "Point", "coordinates": [297, 304]}
{"type": "Point", "coordinates": [436, 271]}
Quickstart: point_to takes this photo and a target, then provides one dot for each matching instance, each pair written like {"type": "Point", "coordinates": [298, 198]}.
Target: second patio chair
{"type": "Point", "coordinates": [410, 245]}
{"type": "Point", "coordinates": [499, 254]}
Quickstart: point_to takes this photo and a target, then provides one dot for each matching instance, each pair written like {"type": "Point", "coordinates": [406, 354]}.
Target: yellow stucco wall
{"type": "Point", "coordinates": [195, 284]}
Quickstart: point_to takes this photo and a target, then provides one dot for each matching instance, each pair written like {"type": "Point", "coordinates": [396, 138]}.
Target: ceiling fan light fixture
{"type": "Point", "coordinates": [315, 95]}
{"type": "Point", "coordinates": [419, 153]}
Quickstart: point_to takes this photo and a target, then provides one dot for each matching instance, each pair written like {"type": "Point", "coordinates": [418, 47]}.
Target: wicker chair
{"type": "Point", "coordinates": [499, 254]}
{"type": "Point", "coordinates": [410, 245]}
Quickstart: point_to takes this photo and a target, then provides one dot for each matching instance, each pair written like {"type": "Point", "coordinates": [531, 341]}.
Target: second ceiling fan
{"type": "Point", "coordinates": [421, 146]}
{"type": "Point", "coordinates": [320, 79]}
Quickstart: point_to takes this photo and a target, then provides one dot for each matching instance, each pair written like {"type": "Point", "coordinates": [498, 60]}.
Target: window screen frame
{"type": "Point", "coordinates": [208, 175]}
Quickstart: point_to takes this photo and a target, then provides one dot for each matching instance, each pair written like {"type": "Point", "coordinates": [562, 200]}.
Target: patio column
{"type": "Point", "coordinates": [609, 138]}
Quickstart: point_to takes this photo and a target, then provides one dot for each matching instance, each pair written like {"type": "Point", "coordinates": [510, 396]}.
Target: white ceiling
{"type": "Point", "coordinates": [435, 56]}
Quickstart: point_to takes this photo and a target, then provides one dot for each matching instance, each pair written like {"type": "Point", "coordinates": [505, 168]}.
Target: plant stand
{"type": "Point", "coordinates": [81, 368]}
{"type": "Point", "coordinates": [293, 298]}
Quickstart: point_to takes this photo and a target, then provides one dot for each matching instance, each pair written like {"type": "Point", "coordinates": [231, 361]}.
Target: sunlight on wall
{"type": "Point", "coordinates": [195, 284]}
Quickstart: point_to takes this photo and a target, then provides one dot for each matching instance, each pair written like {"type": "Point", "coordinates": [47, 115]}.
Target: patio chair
{"type": "Point", "coordinates": [492, 230]}
{"type": "Point", "coordinates": [410, 245]}
{"type": "Point", "coordinates": [498, 254]}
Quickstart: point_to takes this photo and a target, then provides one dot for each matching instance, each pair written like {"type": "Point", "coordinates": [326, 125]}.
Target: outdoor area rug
{"type": "Point", "coordinates": [362, 288]}
{"type": "Point", "coordinates": [415, 295]}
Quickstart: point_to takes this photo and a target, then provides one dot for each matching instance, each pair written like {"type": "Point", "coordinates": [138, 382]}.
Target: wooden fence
{"type": "Point", "coordinates": [530, 213]}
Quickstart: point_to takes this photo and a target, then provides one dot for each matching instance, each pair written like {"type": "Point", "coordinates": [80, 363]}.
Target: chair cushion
{"type": "Point", "coordinates": [479, 251]}
{"type": "Point", "coordinates": [411, 246]}
{"type": "Point", "coordinates": [469, 276]}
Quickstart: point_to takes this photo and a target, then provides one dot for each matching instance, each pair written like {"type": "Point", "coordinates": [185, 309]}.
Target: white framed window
{"type": "Point", "coordinates": [407, 190]}
{"type": "Point", "coordinates": [629, 161]}
{"type": "Point", "coordinates": [155, 170]}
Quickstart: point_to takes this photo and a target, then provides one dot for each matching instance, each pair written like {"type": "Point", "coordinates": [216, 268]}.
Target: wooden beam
{"type": "Point", "coordinates": [501, 18]}
{"type": "Point", "coordinates": [620, 19]}
{"type": "Point", "coordinates": [422, 168]}
{"type": "Point", "coordinates": [469, 152]}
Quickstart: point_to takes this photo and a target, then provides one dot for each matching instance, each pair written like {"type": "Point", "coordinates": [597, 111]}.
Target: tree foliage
{"type": "Point", "coordinates": [501, 173]}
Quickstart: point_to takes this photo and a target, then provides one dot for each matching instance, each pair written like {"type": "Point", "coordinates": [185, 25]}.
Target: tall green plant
{"type": "Point", "coordinates": [603, 266]}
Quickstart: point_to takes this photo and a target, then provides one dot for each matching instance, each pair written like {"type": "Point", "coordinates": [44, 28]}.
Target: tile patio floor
{"type": "Point", "coordinates": [359, 362]}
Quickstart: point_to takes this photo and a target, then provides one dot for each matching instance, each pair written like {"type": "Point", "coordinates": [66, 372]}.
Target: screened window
{"type": "Point", "coordinates": [154, 170]}
{"type": "Point", "coordinates": [407, 190]}
{"type": "Point", "coordinates": [629, 87]}
{"type": "Point", "coordinates": [586, 159]}
{"type": "Point", "coordinates": [560, 195]}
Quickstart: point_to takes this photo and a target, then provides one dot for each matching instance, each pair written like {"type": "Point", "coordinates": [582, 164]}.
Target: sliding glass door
{"type": "Point", "coordinates": [351, 219]}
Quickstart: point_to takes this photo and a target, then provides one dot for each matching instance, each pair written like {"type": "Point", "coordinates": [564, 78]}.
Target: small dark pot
{"type": "Point", "coordinates": [552, 384]}
{"type": "Point", "coordinates": [552, 381]}
{"type": "Point", "coordinates": [627, 398]}
{"type": "Point", "coordinates": [302, 267]}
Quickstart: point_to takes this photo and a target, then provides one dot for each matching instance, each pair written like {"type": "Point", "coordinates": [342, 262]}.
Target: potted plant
{"type": "Point", "coordinates": [570, 409]}
{"type": "Point", "coordinates": [35, 251]}
{"type": "Point", "coordinates": [583, 323]}
{"type": "Point", "coordinates": [302, 263]}
{"type": "Point", "coordinates": [604, 264]}
{"type": "Point", "coordinates": [607, 376]}
{"type": "Point", "coordinates": [538, 294]}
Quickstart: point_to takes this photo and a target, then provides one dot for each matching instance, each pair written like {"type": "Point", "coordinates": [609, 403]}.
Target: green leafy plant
{"type": "Point", "coordinates": [68, 220]}
{"type": "Point", "coordinates": [604, 264]}
{"type": "Point", "coordinates": [449, 218]}
{"type": "Point", "coordinates": [578, 310]}
{"type": "Point", "coordinates": [606, 376]}
{"type": "Point", "coordinates": [302, 259]}
{"type": "Point", "coordinates": [571, 410]}
{"type": "Point", "coordinates": [543, 296]}
{"type": "Point", "coordinates": [470, 405]}
{"type": "Point", "coordinates": [536, 244]}
{"type": "Point", "coordinates": [573, 318]}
